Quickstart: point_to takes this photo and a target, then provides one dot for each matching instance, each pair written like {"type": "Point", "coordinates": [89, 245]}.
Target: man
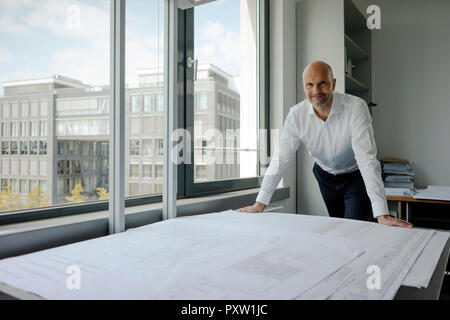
{"type": "Point", "coordinates": [337, 130]}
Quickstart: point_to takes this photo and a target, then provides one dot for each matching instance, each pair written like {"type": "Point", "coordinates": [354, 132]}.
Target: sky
{"type": "Point", "coordinates": [71, 38]}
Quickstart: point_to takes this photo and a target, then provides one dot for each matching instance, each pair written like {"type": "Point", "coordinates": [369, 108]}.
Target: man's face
{"type": "Point", "coordinates": [318, 86]}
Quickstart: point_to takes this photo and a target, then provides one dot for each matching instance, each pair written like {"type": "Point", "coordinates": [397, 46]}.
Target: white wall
{"type": "Point", "coordinates": [282, 76]}
{"type": "Point", "coordinates": [320, 36]}
{"type": "Point", "coordinates": [411, 79]}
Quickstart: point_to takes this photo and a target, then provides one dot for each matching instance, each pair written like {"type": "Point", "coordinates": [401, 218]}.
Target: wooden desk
{"type": "Point", "coordinates": [407, 200]}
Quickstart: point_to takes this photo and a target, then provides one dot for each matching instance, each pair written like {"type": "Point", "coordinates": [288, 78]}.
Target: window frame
{"type": "Point", "coordinates": [194, 189]}
{"type": "Point", "coordinates": [186, 186]}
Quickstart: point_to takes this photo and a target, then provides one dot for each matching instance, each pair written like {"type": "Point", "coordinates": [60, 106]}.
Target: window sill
{"type": "Point", "coordinates": [26, 237]}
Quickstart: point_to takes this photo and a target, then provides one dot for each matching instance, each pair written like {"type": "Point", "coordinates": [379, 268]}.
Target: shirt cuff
{"type": "Point", "coordinates": [380, 208]}
{"type": "Point", "coordinates": [264, 197]}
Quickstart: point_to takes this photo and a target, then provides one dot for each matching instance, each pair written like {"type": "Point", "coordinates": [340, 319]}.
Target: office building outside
{"type": "Point", "coordinates": [55, 136]}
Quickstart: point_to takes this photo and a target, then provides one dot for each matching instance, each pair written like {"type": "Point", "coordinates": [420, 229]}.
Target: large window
{"type": "Point", "coordinates": [226, 95]}
{"type": "Point", "coordinates": [144, 67]}
{"type": "Point", "coordinates": [56, 114]}
{"type": "Point", "coordinates": [52, 101]}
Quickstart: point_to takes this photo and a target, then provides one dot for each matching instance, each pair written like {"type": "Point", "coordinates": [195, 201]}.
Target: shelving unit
{"type": "Point", "coordinates": [353, 85]}
{"type": "Point", "coordinates": [357, 41]}
{"type": "Point", "coordinates": [354, 50]}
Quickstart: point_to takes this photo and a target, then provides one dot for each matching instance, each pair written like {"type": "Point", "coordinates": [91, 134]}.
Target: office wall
{"type": "Point", "coordinates": [411, 79]}
{"type": "Point", "coordinates": [282, 76]}
{"type": "Point", "coordinates": [320, 36]}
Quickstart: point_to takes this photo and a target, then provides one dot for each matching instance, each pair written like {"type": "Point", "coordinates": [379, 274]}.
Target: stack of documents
{"type": "Point", "coordinates": [227, 255]}
{"type": "Point", "coordinates": [434, 193]}
{"type": "Point", "coordinates": [398, 174]}
{"type": "Point", "coordinates": [390, 251]}
{"type": "Point", "coordinates": [399, 192]}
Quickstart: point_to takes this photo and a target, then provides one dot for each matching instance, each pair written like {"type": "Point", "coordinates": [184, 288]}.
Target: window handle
{"type": "Point", "coordinates": [193, 64]}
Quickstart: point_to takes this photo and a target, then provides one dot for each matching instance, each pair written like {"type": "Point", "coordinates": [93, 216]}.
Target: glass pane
{"type": "Point", "coordinates": [143, 95]}
{"type": "Point", "coordinates": [225, 92]}
{"type": "Point", "coordinates": [57, 58]}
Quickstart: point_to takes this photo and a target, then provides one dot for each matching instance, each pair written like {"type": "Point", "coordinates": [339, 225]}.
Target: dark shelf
{"type": "Point", "coordinates": [354, 18]}
{"type": "Point", "coordinates": [354, 85]}
{"type": "Point", "coordinates": [354, 51]}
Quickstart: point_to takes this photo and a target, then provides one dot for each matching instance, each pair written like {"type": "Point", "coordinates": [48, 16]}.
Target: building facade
{"type": "Point", "coordinates": [55, 134]}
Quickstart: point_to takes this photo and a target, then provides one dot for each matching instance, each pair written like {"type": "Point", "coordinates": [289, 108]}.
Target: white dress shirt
{"type": "Point", "coordinates": [341, 144]}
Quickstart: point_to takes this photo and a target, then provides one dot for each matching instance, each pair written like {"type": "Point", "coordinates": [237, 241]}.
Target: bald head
{"type": "Point", "coordinates": [319, 84]}
{"type": "Point", "coordinates": [318, 67]}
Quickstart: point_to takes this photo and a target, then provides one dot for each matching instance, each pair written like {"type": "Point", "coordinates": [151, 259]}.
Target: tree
{"type": "Point", "coordinates": [102, 194]}
{"type": "Point", "coordinates": [37, 199]}
{"type": "Point", "coordinates": [9, 200]}
{"type": "Point", "coordinates": [76, 194]}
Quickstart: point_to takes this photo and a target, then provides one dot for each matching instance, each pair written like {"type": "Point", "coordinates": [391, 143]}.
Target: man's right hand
{"type": "Point", "coordinates": [258, 207]}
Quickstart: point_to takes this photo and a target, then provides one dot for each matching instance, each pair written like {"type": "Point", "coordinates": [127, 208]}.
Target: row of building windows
{"type": "Point", "coordinates": [224, 123]}
{"type": "Point", "coordinates": [147, 171]}
{"type": "Point", "coordinates": [24, 185]}
{"type": "Point", "coordinates": [227, 171]}
{"type": "Point", "coordinates": [34, 168]}
{"type": "Point", "coordinates": [136, 189]}
{"type": "Point", "coordinates": [147, 147]}
{"type": "Point", "coordinates": [227, 104]}
{"type": "Point", "coordinates": [74, 167]}
{"type": "Point", "coordinates": [65, 185]}
{"type": "Point", "coordinates": [83, 148]}
{"type": "Point", "coordinates": [32, 148]}
{"type": "Point", "coordinates": [82, 107]}
{"type": "Point", "coordinates": [24, 109]}
{"type": "Point", "coordinates": [146, 126]}
{"type": "Point", "coordinates": [24, 129]}
{"type": "Point", "coordinates": [147, 103]}
{"type": "Point", "coordinates": [88, 127]}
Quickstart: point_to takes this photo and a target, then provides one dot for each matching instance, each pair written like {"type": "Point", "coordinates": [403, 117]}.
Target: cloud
{"type": "Point", "coordinates": [73, 20]}
{"type": "Point", "coordinates": [213, 30]}
{"type": "Point", "coordinates": [62, 17]}
{"type": "Point", "coordinates": [5, 56]}
{"type": "Point", "coordinates": [219, 46]}
{"type": "Point", "coordinates": [69, 21]}
{"type": "Point", "coordinates": [89, 64]}
{"type": "Point", "coordinates": [142, 52]}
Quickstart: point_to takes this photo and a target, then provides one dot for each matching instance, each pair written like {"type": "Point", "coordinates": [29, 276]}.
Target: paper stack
{"type": "Point", "coordinates": [398, 174]}
{"type": "Point", "coordinates": [231, 255]}
{"type": "Point", "coordinates": [434, 193]}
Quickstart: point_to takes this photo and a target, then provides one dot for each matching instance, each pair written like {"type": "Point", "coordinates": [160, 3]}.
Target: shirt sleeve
{"type": "Point", "coordinates": [288, 145]}
{"type": "Point", "coordinates": [365, 150]}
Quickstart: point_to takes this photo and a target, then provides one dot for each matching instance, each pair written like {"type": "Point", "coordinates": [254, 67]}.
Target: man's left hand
{"type": "Point", "coordinates": [389, 221]}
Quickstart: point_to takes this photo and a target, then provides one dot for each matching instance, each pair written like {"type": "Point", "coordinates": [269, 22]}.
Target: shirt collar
{"type": "Point", "coordinates": [335, 106]}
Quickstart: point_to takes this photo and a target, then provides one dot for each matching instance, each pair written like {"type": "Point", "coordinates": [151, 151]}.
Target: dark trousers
{"type": "Point", "coordinates": [345, 194]}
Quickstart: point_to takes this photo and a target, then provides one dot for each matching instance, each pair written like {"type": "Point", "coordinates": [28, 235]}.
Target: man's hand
{"type": "Point", "coordinates": [389, 221]}
{"type": "Point", "coordinates": [258, 207]}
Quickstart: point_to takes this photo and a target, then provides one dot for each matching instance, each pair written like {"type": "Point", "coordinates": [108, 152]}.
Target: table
{"type": "Point", "coordinates": [156, 247]}
{"type": "Point", "coordinates": [407, 200]}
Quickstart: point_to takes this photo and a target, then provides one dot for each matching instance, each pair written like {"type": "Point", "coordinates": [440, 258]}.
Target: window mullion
{"type": "Point", "coordinates": [170, 98]}
{"type": "Point", "coordinates": [117, 120]}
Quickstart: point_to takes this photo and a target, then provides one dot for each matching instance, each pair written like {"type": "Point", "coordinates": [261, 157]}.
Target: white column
{"type": "Point", "coordinates": [117, 120]}
{"type": "Point", "coordinates": [170, 99]}
{"type": "Point", "coordinates": [248, 88]}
